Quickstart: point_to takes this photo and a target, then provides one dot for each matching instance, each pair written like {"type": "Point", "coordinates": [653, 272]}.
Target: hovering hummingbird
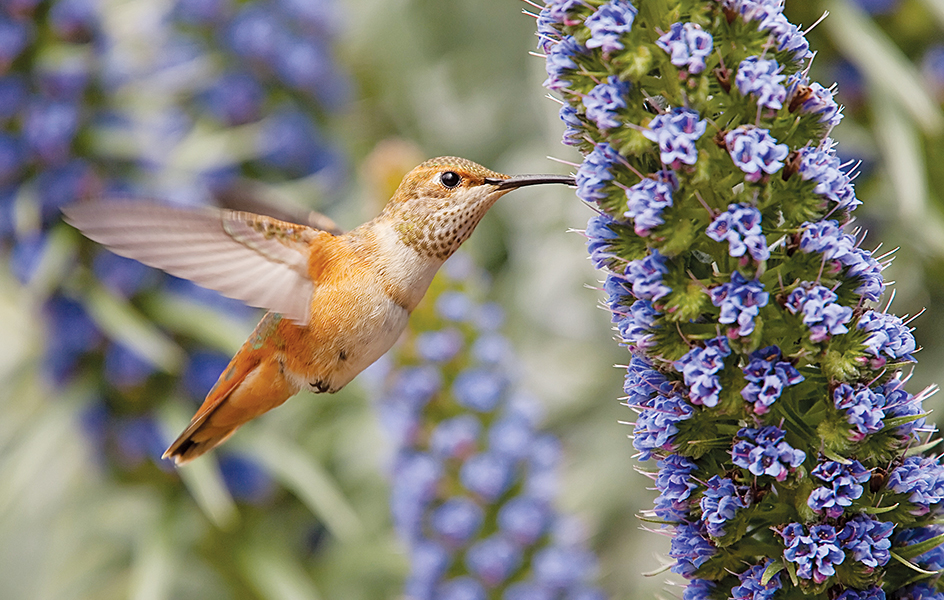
{"type": "Point", "coordinates": [336, 302]}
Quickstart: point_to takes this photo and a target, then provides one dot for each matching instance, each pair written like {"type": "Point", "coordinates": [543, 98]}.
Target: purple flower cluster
{"type": "Point", "coordinates": [822, 166]}
{"type": "Point", "coordinates": [751, 587]}
{"type": "Point", "coordinates": [720, 501]}
{"type": "Point", "coordinates": [770, 18]}
{"type": "Point", "coordinates": [740, 227]}
{"type": "Point", "coordinates": [868, 540]}
{"type": "Point", "coordinates": [767, 376]}
{"type": "Point", "coordinates": [560, 57]}
{"type": "Point", "coordinates": [700, 368]}
{"type": "Point", "coordinates": [873, 593]}
{"type": "Point", "coordinates": [688, 45]}
{"type": "Point", "coordinates": [815, 553]}
{"type": "Point", "coordinates": [690, 548]}
{"type": "Point", "coordinates": [605, 100]}
{"type": "Point", "coordinates": [843, 486]}
{"type": "Point", "coordinates": [922, 478]}
{"type": "Point", "coordinates": [764, 452]}
{"type": "Point", "coordinates": [864, 409]}
{"type": "Point", "coordinates": [900, 403]}
{"type": "Point", "coordinates": [887, 337]}
{"type": "Point", "coordinates": [636, 327]}
{"type": "Point", "coordinates": [755, 152]}
{"type": "Point", "coordinates": [740, 301]}
{"type": "Point", "coordinates": [600, 237]}
{"type": "Point", "coordinates": [608, 25]}
{"type": "Point", "coordinates": [657, 422]}
{"type": "Point", "coordinates": [595, 171]}
{"type": "Point", "coordinates": [646, 200]}
{"type": "Point", "coordinates": [841, 249]}
{"type": "Point", "coordinates": [821, 313]}
{"type": "Point", "coordinates": [812, 98]}
{"type": "Point", "coordinates": [645, 276]}
{"type": "Point", "coordinates": [471, 493]}
{"type": "Point", "coordinates": [762, 78]}
{"type": "Point", "coordinates": [675, 485]}
{"type": "Point", "coordinates": [676, 133]}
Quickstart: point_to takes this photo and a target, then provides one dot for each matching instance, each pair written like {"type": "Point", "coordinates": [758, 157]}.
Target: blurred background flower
{"type": "Point", "coordinates": [191, 100]}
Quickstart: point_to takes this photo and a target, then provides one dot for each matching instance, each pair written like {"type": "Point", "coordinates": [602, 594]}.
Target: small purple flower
{"type": "Point", "coordinates": [636, 327]}
{"type": "Point", "coordinates": [815, 553]}
{"type": "Point", "coordinates": [919, 591]}
{"type": "Point", "coordinates": [899, 403]}
{"type": "Point", "coordinates": [456, 521]}
{"type": "Point", "coordinates": [479, 389]}
{"type": "Point", "coordinates": [819, 101]}
{"type": "Point", "coordinates": [700, 368]}
{"type": "Point", "coordinates": [688, 45]}
{"type": "Point", "coordinates": [646, 200]}
{"type": "Point", "coordinates": [755, 151]}
{"type": "Point", "coordinates": [493, 559]}
{"type": "Point", "coordinates": [720, 501]}
{"type": "Point", "coordinates": [657, 422]}
{"type": "Point", "coordinates": [764, 452]}
{"type": "Point", "coordinates": [867, 539]}
{"type": "Point", "coordinates": [761, 78]}
{"type": "Point", "coordinates": [740, 301]}
{"type": "Point", "coordinates": [767, 376]}
{"type": "Point", "coordinates": [699, 589]}
{"type": "Point", "coordinates": [827, 238]}
{"type": "Point", "coordinates": [645, 275]}
{"type": "Point", "coordinates": [740, 227]}
{"type": "Point", "coordinates": [676, 133]}
{"type": "Point", "coordinates": [873, 593]}
{"type": "Point", "coordinates": [690, 548]}
{"type": "Point", "coordinates": [600, 235]}
{"type": "Point", "coordinates": [439, 346]}
{"type": "Point", "coordinates": [456, 437]}
{"type": "Point", "coordinates": [416, 476]}
{"type": "Point", "coordinates": [605, 100]}
{"type": "Point", "coordinates": [573, 133]}
{"type": "Point", "coordinates": [559, 60]}
{"type": "Point", "coordinates": [609, 23]}
{"type": "Point", "coordinates": [863, 407]}
{"type": "Point", "coordinates": [843, 486]}
{"type": "Point", "coordinates": [675, 486]}
{"type": "Point", "coordinates": [888, 336]}
{"type": "Point", "coordinates": [922, 478]}
{"type": "Point", "coordinates": [751, 587]}
{"type": "Point", "coordinates": [487, 474]}
{"type": "Point", "coordinates": [821, 313]}
{"type": "Point", "coordinates": [524, 519]}
{"type": "Point", "coordinates": [594, 172]}
{"type": "Point", "coordinates": [822, 166]}
{"type": "Point", "coordinates": [460, 588]}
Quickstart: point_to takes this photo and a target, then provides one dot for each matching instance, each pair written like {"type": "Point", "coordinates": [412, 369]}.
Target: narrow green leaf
{"type": "Point", "coordinates": [195, 320]}
{"type": "Point", "coordinates": [882, 62]}
{"type": "Point", "coordinates": [202, 477]}
{"type": "Point", "coordinates": [275, 575]}
{"type": "Point", "coordinates": [914, 451]}
{"type": "Point", "coordinates": [122, 322]}
{"type": "Point", "coordinates": [152, 566]}
{"type": "Point", "coordinates": [771, 570]}
{"type": "Point", "coordinates": [835, 457]}
{"type": "Point", "coordinates": [911, 565]}
{"type": "Point", "coordinates": [912, 550]}
{"type": "Point", "coordinates": [308, 480]}
{"type": "Point", "coordinates": [877, 510]}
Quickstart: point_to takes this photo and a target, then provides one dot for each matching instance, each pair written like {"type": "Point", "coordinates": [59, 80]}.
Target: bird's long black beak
{"type": "Point", "coordinates": [523, 180]}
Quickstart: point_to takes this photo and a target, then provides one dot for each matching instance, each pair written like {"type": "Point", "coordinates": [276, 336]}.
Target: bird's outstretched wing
{"type": "Point", "coordinates": [258, 260]}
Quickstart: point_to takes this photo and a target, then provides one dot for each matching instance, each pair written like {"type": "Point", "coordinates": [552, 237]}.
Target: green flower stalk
{"type": "Point", "coordinates": [473, 477]}
{"type": "Point", "coordinates": [767, 379]}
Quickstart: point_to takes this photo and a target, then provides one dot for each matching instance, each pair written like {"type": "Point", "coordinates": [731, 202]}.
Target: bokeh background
{"type": "Point", "coordinates": [322, 105]}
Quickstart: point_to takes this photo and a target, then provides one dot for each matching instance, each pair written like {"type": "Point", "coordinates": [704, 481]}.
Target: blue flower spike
{"type": "Point", "coordinates": [765, 376]}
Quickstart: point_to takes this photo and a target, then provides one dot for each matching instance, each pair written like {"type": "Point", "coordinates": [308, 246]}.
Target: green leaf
{"type": "Point", "coordinates": [313, 485]}
{"type": "Point", "coordinates": [916, 450]}
{"type": "Point", "coordinates": [912, 550]}
{"type": "Point", "coordinates": [123, 323]}
{"type": "Point", "coordinates": [877, 510]}
{"type": "Point", "coordinates": [912, 566]}
{"type": "Point", "coordinates": [771, 570]}
{"type": "Point", "coordinates": [881, 62]}
{"type": "Point", "coordinates": [276, 575]}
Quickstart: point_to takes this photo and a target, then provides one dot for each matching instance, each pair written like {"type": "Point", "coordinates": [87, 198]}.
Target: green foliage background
{"type": "Point", "coordinates": [453, 77]}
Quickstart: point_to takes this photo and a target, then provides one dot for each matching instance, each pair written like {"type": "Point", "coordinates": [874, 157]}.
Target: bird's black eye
{"type": "Point", "coordinates": [450, 179]}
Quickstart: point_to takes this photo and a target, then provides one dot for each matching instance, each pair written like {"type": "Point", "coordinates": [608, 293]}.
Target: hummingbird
{"type": "Point", "coordinates": [336, 301]}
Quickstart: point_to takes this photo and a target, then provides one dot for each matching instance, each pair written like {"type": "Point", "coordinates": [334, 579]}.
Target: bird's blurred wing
{"type": "Point", "coordinates": [256, 259]}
